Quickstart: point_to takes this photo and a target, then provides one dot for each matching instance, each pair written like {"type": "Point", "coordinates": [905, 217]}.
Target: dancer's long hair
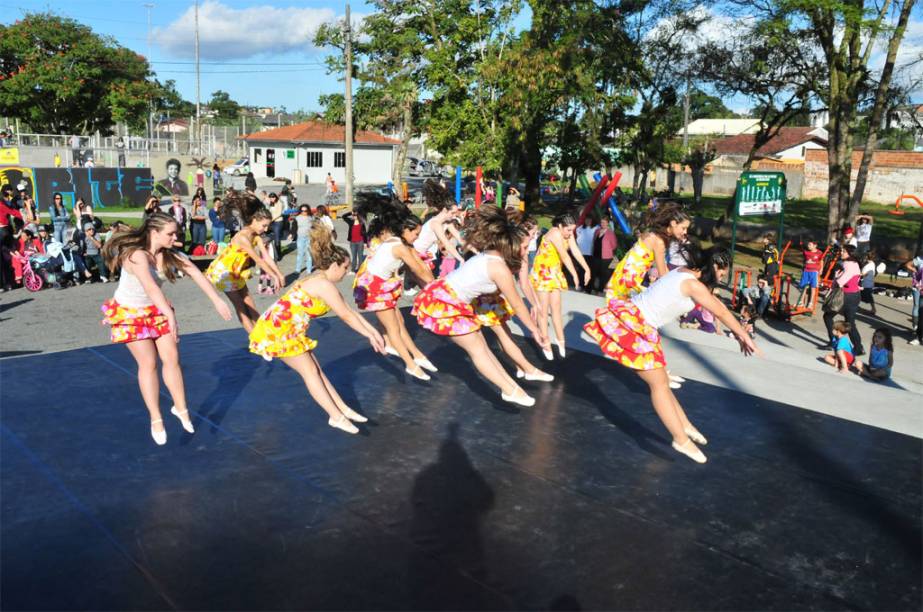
{"type": "Point", "coordinates": [658, 220]}
{"type": "Point", "coordinates": [121, 245]}
{"type": "Point", "coordinates": [706, 261]}
{"type": "Point", "coordinates": [389, 214]}
{"type": "Point", "coordinates": [246, 205]}
{"type": "Point", "coordinates": [489, 229]}
{"type": "Point", "coordinates": [563, 219]}
{"type": "Point", "coordinates": [436, 196]}
{"type": "Point", "coordinates": [323, 251]}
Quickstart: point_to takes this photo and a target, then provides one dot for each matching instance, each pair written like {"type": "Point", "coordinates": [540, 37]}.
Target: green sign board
{"type": "Point", "coordinates": [758, 193]}
{"type": "Point", "coordinates": [289, 154]}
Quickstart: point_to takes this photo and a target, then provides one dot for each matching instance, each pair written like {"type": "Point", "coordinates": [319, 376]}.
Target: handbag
{"type": "Point", "coordinates": [834, 300]}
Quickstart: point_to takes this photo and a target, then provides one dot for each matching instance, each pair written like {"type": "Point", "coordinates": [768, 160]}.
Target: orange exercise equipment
{"type": "Point", "coordinates": [904, 196]}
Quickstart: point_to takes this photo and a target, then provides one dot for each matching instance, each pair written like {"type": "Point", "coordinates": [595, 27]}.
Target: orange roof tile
{"type": "Point", "coordinates": [318, 131]}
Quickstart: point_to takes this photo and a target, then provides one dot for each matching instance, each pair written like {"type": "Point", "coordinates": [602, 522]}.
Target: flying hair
{"type": "Point", "coordinates": [436, 196]}
{"type": "Point", "coordinates": [246, 205]}
{"type": "Point", "coordinates": [658, 220]}
{"type": "Point", "coordinates": [706, 261]}
{"type": "Point", "coordinates": [323, 251]}
{"type": "Point", "coordinates": [122, 245]}
{"type": "Point", "coordinates": [489, 229]}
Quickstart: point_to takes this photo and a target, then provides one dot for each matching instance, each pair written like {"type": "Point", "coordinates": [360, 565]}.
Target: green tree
{"type": "Point", "coordinates": [58, 76]}
{"type": "Point", "coordinates": [227, 111]}
{"type": "Point", "coordinates": [168, 100]}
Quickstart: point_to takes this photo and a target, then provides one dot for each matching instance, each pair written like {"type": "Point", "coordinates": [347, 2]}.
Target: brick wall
{"type": "Point", "coordinates": [891, 174]}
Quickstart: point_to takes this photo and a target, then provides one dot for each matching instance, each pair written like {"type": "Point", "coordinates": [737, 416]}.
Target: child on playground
{"type": "Point", "coordinates": [881, 357]}
{"type": "Point", "coordinates": [770, 257]}
{"type": "Point", "coordinates": [842, 356]}
{"type": "Point", "coordinates": [867, 282]}
{"type": "Point", "coordinates": [813, 260]}
{"type": "Point", "coordinates": [280, 331]}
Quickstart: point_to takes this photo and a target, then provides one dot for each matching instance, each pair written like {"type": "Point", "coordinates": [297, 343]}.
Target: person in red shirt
{"type": "Point", "coordinates": [27, 245]}
{"type": "Point", "coordinates": [7, 229]}
{"type": "Point", "coordinates": [813, 260]}
{"type": "Point", "coordinates": [357, 237]}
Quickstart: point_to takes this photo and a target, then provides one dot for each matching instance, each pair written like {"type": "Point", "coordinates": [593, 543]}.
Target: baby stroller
{"type": "Point", "coordinates": [31, 279]}
{"type": "Point", "coordinates": [56, 266]}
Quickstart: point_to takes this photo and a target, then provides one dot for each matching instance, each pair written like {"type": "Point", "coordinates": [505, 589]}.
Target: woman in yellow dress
{"type": "Point", "coordinates": [281, 331]}
{"type": "Point", "coordinates": [547, 278]}
{"type": "Point", "coordinates": [230, 270]}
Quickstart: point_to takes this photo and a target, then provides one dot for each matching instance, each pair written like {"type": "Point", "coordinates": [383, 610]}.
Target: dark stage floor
{"type": "Point", "coordinates": [448, 500]}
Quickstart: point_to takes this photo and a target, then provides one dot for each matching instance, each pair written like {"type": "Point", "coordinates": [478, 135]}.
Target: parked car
{"type": "Point", "coordinates": [413, 166]}
{"type": "Point", "coordinates": [238, 168]}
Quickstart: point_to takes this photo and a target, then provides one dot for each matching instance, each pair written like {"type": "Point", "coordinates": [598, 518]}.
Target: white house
{"type": "Point", "coordinates": [310, 150]}
{"type": "Point", "coordinates": [721, 127]}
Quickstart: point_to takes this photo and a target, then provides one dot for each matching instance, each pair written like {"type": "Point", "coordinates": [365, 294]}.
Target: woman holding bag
{"type": "Point", "coordinates": [845, 280]}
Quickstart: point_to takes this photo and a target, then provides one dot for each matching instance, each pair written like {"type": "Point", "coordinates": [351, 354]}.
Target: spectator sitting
{"type": "Point", "coordinates": [92, 246]}
{"type": "Point", "coordinates": [747, 320]}
{"type": "Point", "coordinates": [881, 356]}
{"type": "Point", "coordinates": [26, 246]}
{"type": "Point", "coordinates": [842, 356]}
{"type": "Point", "coordinates": [759, 296]}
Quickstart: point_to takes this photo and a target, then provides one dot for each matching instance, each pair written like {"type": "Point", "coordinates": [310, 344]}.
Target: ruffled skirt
{"type": "Point", "coordinates": [129, 324]}
{"type": "Point", "coordinates": [492, 309]}
{"type": "Point", "coordinates": [623, 335]}
{"type": "Point", "coordinates": [439, 310]}
{"type": "Point", "coordinates": [373, 293]}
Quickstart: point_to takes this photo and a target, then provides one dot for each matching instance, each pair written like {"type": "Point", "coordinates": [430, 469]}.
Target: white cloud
{"type": "Point", "coordinates": [227, 33]}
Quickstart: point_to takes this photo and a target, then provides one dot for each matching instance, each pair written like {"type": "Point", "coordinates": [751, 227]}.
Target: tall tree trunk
{"type": "Point", "coordinates": [406, 133]}
{"type": "Point", "coordinates": [878, 110]}
{"type": "Point", "coordinates": [572, 186]}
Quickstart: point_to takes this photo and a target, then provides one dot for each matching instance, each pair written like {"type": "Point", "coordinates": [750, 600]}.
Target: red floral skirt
{"type": "Point", "coordinates": [129, 324]}
{"type": "Point", "coordinates": [373, 293]}
{"type": "Point", "coordinates": [439, 309]}
{"type": "Point", "coordinates": [623, 335]}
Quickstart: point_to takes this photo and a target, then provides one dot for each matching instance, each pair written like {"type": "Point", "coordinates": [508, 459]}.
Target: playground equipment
{"type": "Point", "coordinates": [758, 193]}
{"type": "Point", "coordinates": [904, 196]}
{"type": "Point", "coordinates": [604, 193]}
{"type": "Point", "coordinates": [743, 278]}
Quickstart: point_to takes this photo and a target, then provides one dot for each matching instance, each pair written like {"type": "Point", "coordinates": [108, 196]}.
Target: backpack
{"type": "Point", "coordinates": [198, 250]}
{"type": "Point", "coordinates": [211, 247]}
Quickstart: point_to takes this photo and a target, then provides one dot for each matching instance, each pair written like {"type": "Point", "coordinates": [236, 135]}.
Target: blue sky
{"type": "Point", "coordinates": [260, 51]}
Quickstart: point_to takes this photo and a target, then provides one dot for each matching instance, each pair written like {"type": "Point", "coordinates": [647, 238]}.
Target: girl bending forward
{"type": "Point", "coordinates": [627, 331]}
{"type": "Point", "coordinates": [454, 306]}
{"type": "Point", "coordinates": [281, 331]}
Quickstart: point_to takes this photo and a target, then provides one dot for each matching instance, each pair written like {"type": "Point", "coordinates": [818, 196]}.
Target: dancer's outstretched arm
{"type": "Point", "coordinates": [501, 276]}
{"type": "Point", "coordinates": [413, 262]}
{"type": "Point", "coordinates": [561, 246]}
{"type": "Point", "coordinates": [704, 297]}
{"type": "Point", "coordinates": [328, 292]}
{"type": "Point", "coordinates": [193, 272]}
{"type": "Point", "coordinates": [573, 248]}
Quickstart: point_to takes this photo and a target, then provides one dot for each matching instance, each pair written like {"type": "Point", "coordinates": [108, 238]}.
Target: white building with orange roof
{"type": "Point", "coordinates": [310, 150]}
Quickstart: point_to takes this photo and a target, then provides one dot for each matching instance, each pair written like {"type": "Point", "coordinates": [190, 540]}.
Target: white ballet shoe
{"type": "Point", "coordinates": [690, 450]}
{"type": "Point", "coordinates": [675, 378]}
{"type": "Point", "coordinates": [536, 374]}
{"type": "Point", "coordinates": [352, 415]}
{"type": "Point", "coordinates": [426, 364]}
{"type": "Point", "coordinates": [419, 374]}
{"type": "Point", "coordinates": [522, 399]}
{"type": "Point", "coordinates": [343, 424]}
{"type": "Point", "coordinates": [391, 350]}
{"type": "Point", "coordinates": [187, 424]}
{"type": "Point", "coordinates": [675, 385]}
{"type": "Point", "coordinates": [695, 435]}
{"type": "Point", "coordinates": [160, 437]}
{"type": "Point", "coordinates": [561, 347]}
{"type": "Point", "coordinates": [549, 355]}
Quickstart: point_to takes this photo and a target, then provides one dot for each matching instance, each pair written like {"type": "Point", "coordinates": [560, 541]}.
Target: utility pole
{"type": "Point", "coordinates": [198, 105]}
{"type": "Point", "coordinates": [682, 175]}
{"type": "Point", "coordinates": [348, 34]}
{"type": "Point", "coordinates": [150, 115]}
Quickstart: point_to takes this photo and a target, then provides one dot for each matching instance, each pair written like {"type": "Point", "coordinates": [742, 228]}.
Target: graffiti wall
{"type": "Point", "coordinates": [101, 186]}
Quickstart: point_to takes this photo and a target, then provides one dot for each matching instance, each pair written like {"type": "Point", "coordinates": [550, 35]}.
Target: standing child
{"type": "Point", "coordinates": [842, 356]}
{"type": "Point", "coordinates": [813, 260]}
{"type": "Point", "coordinates": [881, 357]}
{"type": "Point", "coordinates": [280, 331]}
{"type": "Point", "coordinates": [455, 306]}
{"type": "Point", "coordinates": [770, 258]}
{"type": "Point", "coordinates": [627, 331]}
{"type": "Point", "coordinates": [230, 271]}
{"type": "Point", "coordinates": [556, 251]}
{"type": "Point", "coordinates": [867, 282]}
{"type": "Point", "coordinates": [143, 319]}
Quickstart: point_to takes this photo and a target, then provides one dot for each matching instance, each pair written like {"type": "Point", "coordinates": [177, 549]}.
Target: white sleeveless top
{"type": "Point", "coordinates": [383, 263]}
{"type": "Point", "coordinates": [426, 241]}
{"type": "Point", "coordinates": [471, 280]}
{"type": "Point", "coordinates": [131, 293]}
{"type": "Point", "coordinates": [664, 301]}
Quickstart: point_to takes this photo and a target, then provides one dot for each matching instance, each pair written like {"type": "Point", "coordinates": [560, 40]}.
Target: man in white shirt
{"type": "Point", "coordinates": [585, 235]}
